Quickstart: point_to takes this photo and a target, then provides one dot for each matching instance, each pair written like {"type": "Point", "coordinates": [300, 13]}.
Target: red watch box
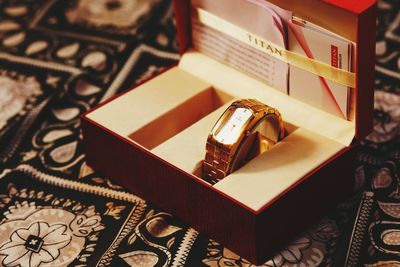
{"type": "Point", "coordinates": [151, 139]}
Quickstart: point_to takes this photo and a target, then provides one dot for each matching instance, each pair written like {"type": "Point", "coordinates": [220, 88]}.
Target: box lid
{"type": "Point", "coordinates": [357, 23]}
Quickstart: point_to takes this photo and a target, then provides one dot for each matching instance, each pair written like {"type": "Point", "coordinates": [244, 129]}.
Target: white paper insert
{"type": "Point", "coordinates": [265, 21]}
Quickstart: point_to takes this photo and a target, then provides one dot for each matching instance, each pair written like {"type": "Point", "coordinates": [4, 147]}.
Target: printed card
{"type": "Point", "coordinates": [317, 43]}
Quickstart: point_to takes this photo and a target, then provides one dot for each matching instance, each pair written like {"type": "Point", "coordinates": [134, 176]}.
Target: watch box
{"type": "Point", "coordinates": [152, 139]}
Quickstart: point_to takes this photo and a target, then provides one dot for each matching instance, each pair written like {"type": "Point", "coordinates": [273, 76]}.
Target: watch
{"type": "Point", "coordinates": [246, 129]}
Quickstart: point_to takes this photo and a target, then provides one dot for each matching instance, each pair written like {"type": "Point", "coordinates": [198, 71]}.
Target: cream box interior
{"type": "Point", "coordinates": [172, 115]}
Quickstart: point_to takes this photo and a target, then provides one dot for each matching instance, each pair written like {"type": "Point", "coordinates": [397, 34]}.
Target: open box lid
{"type": "Point", "coordinates": [356, 23]}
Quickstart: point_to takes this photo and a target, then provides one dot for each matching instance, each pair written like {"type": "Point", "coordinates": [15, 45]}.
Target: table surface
{"type": "Point", "coordinates": [60, 58]}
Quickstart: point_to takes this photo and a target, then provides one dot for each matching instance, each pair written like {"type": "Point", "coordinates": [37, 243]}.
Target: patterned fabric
{"type": "Point", "coordinates": [60, 58]}
{"type": "Point", "coordinates": [372, 238]}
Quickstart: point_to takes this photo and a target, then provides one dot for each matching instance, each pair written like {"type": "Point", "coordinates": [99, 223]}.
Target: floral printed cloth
{"type": "Point", "coordinates": [60, 58]}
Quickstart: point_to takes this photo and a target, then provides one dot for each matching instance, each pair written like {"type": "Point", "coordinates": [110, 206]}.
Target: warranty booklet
{"type": "Point", "coordinates": [317, 43]}
{"type": "Point", "coordinates": [267, 21]}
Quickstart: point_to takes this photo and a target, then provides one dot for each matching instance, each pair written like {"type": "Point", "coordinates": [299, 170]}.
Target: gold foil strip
{"type": "Point", "coordinates": [311, 65]}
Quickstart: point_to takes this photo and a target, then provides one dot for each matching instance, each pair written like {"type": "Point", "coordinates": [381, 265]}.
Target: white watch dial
{"type": "Point", "coordinates": [230, 131]}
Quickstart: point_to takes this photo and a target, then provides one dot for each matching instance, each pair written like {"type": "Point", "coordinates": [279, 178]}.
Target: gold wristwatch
{"type": "Point", "coordinates": [246, 129]}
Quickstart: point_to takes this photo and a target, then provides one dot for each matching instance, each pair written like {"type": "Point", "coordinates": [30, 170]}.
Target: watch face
{"type": "Point", "coordinates": [230, 129]}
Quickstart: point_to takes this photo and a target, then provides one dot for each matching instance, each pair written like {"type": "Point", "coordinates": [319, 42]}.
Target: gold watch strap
{"type": "Point", "coordinates": [216, 163]}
